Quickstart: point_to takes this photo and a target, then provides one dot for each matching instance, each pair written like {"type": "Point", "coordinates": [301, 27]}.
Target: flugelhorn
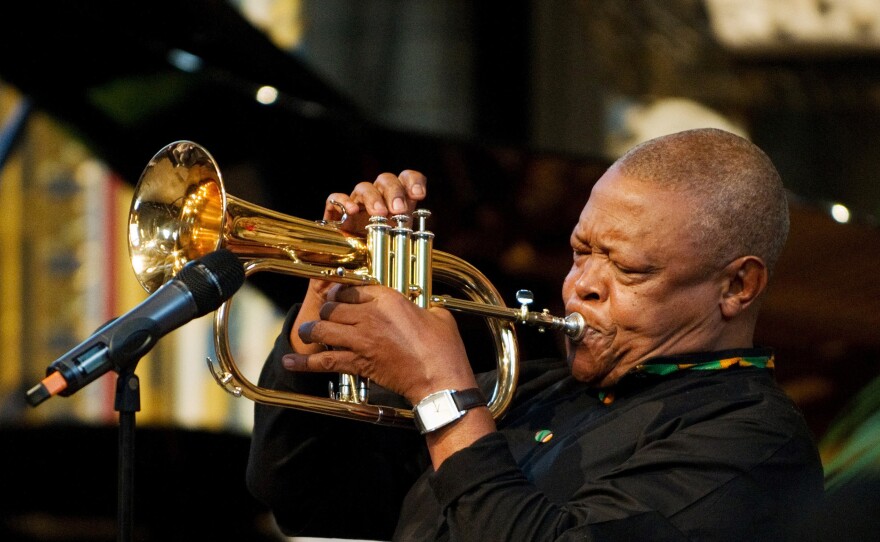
{"type": "Point", "coordinates": [181, 211]}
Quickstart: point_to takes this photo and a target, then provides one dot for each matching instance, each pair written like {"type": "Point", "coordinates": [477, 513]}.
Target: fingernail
{"type": "Point", "coordinates": [293, 362]}
{"type": "Point", "coordinates": [398, 206]}
{"type": "Point", "coordinates": [305, 331]}
{"type": "Point", "coordinates": [418, 190]}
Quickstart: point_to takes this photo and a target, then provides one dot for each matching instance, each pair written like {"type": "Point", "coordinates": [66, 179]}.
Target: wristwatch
{"type": "Point", "coordinates": [444, 407]}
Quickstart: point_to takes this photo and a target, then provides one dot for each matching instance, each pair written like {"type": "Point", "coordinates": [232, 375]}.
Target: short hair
{"type": "Point", "coordinates": [744, 210]}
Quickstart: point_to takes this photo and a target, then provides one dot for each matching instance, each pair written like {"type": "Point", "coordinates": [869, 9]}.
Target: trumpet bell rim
{"type": "Point", "coordinates": [177, 214]}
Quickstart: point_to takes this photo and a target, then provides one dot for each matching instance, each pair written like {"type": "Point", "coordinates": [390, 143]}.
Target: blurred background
{"type": "Point", "coordinates": [513, 109]}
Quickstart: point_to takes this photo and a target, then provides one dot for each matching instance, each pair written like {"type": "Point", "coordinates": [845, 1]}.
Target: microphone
{"type": "Point", "coordinates": [200, 287]}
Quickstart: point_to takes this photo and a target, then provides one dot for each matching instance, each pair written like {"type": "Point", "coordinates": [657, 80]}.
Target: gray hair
{"type": "Point", "coordinates": [743, 209]}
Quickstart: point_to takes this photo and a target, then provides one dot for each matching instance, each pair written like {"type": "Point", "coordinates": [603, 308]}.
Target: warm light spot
{"type": "Point", "coordinates": [267, 95]}
{"type": "Point", "coordinates": [840, 213]}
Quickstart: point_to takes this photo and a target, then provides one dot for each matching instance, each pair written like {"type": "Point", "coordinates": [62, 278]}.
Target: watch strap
{"type": "Point", "coordinates": [436, 416]}
{"type": "Point", "coordinates": [469, 398]}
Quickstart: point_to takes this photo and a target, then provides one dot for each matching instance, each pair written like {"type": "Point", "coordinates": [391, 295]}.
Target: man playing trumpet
{"type": "Point", "coordinates": [663, 423]}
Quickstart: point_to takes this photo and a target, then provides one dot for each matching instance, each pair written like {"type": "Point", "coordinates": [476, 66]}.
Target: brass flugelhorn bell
{"type": "Point", "coordinates": [181, 211]}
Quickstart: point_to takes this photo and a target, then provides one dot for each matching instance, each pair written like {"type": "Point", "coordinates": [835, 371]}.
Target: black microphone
{"type": "Point", "coordinates": [200, 287]}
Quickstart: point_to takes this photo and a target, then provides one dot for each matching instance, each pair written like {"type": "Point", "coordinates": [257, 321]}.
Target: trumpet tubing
{"type": "Point", "coordinates": [181, 211]}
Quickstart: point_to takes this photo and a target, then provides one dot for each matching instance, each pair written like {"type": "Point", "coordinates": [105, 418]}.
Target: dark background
{"type": "Point", "coordinates": [102, 69]}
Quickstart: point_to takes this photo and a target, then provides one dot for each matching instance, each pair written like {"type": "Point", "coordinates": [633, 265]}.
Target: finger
{"type": "Point", "coordinates": [329, 361]}
{"type": "Point", "coordinates": [333, 334]}
{"type": "Point", "coordinates": [331, 209]}
{"type": "Point", "coordinates": [353, 294]}
{"type": "Point", "coordinates": [305, 331]}
{"type": "Point", "coordinates": [333, 290]}
{"type": "Point", "coordinates": [371, 197]}
{"type": "Point", "coordinates": [415, 183]}
{"type": "Point", "coordinates": [393, 191]}
{"type": "Point", "coordinates": [339, 313]}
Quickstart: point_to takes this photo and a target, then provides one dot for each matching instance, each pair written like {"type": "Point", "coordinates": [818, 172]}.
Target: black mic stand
{"type": "Point", "coordinates": [127, 403]}
{"type": "Point", "coordinates": [121, 346]}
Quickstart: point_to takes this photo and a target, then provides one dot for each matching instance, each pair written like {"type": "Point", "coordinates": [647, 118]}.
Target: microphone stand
{"type": "Point", "coordinates": [127, 403]}
{"type": "Point", "coordinates": [120, 345]}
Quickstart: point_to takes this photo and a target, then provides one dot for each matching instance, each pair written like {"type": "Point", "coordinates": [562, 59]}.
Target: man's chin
{"type": "Point", "coordinates": [587, 371]}
{"type": "Point", "coordinates": [600, 371]}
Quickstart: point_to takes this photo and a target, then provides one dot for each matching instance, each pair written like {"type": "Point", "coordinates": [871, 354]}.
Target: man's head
{"type": "Point", "coordinates": [673, 251]}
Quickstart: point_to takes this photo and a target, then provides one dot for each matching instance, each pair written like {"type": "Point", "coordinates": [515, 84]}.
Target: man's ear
{"type": "Point", "coordinates": [745, 279]}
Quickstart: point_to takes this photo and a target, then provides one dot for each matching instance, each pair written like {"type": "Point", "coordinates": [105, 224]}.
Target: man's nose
{"type": "Point", "coordinates": [590, 284]}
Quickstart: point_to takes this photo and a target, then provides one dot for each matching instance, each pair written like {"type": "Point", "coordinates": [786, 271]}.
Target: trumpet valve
{"type": "Point", "coordinates": [525, 298]}
{"type": "Point", "coordinates": [401, 220]}
{"type": "Point", "coordinates": [421, 216]}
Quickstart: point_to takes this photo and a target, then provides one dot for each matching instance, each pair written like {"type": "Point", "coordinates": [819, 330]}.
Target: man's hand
{"type": "Point", "coordinates": [378, 333]}
{"type": "Point", "coordinates": [388, 195]}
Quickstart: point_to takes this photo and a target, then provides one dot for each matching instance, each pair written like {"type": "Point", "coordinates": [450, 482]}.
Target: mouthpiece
{"type": "Point", "coordinates": [574, 326]}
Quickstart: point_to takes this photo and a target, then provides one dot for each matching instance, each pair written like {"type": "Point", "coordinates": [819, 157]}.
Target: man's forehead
{"type": "Point", "coordinates": [623, 208]}
{"type": "Point", "coordinates": [635, 193]}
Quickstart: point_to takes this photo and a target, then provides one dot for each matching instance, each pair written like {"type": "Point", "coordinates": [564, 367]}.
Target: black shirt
{"type": "Point", "coordinates": [694, 455]}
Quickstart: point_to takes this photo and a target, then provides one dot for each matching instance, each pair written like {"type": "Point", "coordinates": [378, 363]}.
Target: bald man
{"type": "Point", "coordinates": [663, 422]}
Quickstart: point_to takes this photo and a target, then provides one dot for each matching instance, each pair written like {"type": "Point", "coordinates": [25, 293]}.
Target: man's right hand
{"type": "Point", "coordinates": [387, 196]}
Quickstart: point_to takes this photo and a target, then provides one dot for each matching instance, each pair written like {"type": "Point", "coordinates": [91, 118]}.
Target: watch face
{"type": "Point", "coordinates": [437, 410]}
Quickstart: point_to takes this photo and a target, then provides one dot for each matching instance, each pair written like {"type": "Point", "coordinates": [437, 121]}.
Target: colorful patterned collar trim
{"type": "Point", "coordinates": [661, 368]}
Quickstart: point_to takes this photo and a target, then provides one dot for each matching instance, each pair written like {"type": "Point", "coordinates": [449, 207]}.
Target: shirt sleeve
{"type": "Point", "coordinates": [309, 467]}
